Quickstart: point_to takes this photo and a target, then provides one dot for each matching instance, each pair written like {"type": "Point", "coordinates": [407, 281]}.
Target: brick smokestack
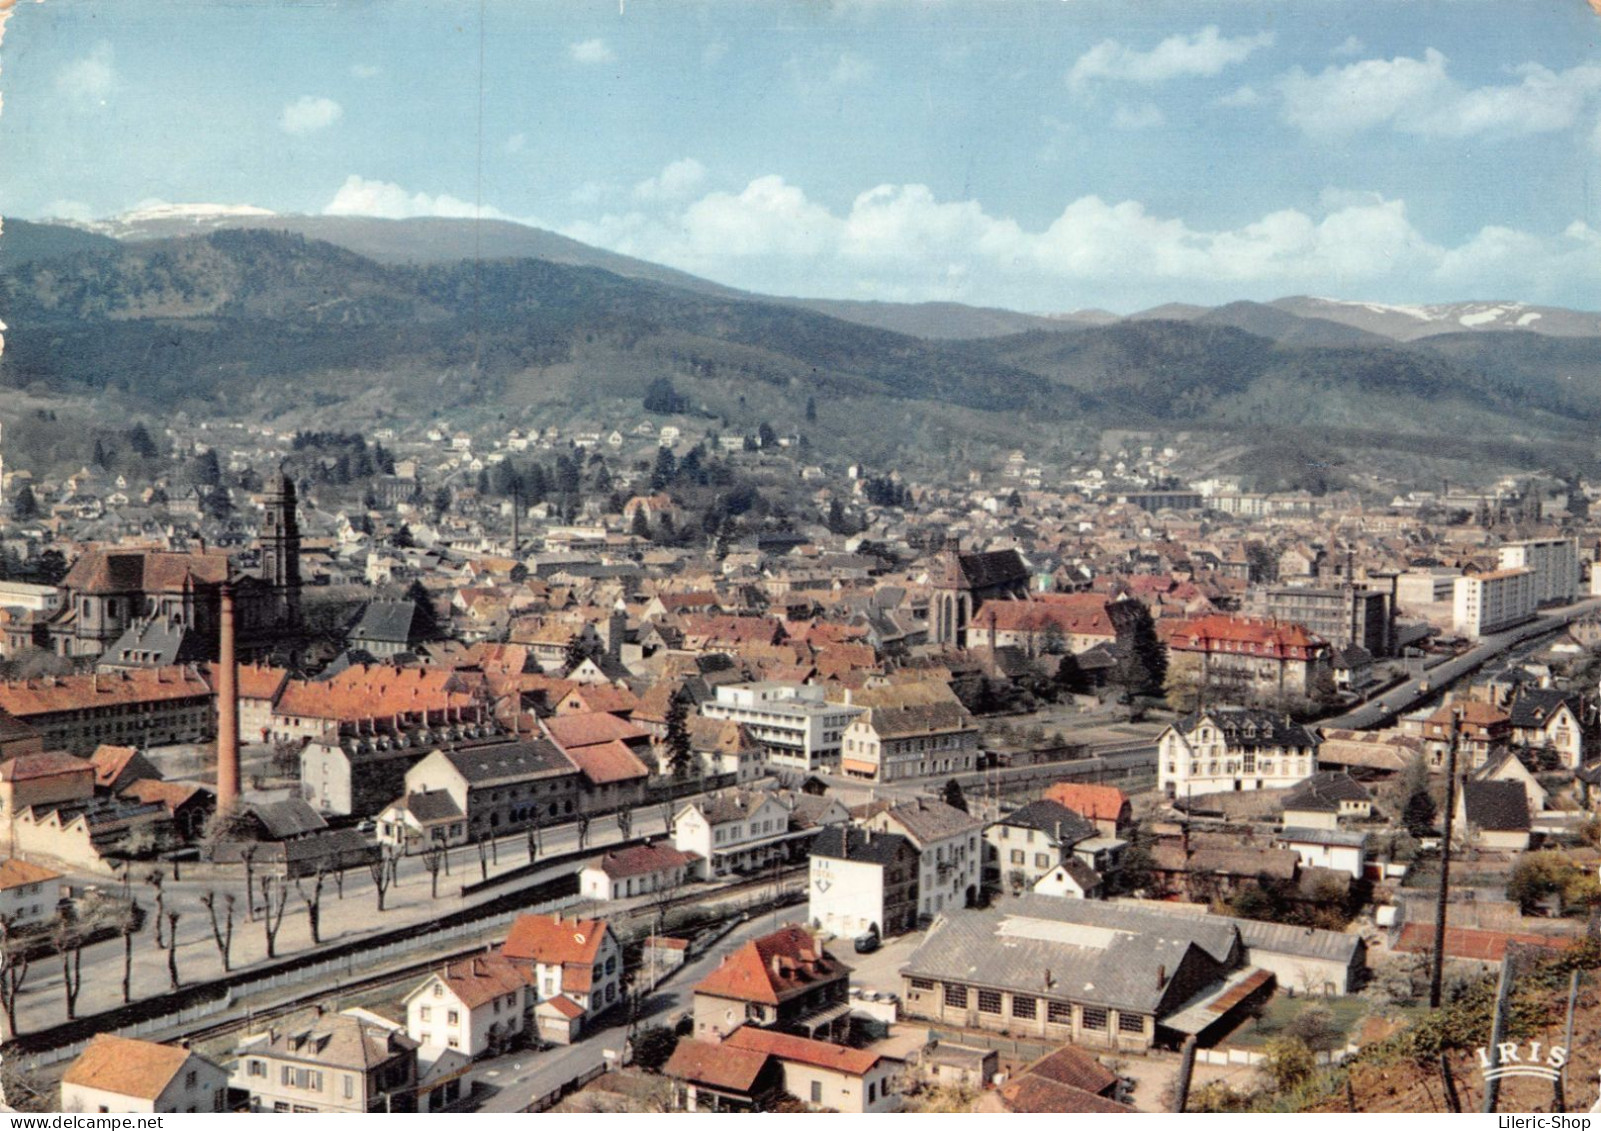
{"type": "Point", "coordinates": [227, 708]}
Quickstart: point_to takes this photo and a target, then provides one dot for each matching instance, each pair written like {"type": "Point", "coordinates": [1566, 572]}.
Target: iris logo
{"type": "Point", "coordinates": [1510, 1059]}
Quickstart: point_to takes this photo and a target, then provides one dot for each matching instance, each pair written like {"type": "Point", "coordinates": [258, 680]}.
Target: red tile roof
{"type": "Point", "coordinates": [1097, 802]}
{"type": "Point", "coordinates": [642, 860]}
{"type": "Point", "coordinates": [1470, 943]}
{"type": "Point", "coordinates": [369, 691]}
{"type": "Point", "coordinates": [126, 1067]}
{"type": "Point", "coordinates": [608, 762]}
{"type": "Point", "coordinates": [27, 698]}
{"type": "Point", "coordinates": [50, 764]}
{"type": "Point", "coordinates": [546, 939]}
{"type": "Point", "coordinates": [802, 1050]}
{"type": "Point", "coordinates": [1246, 635]}
{"type": "Point", "coordinates": [716, 1066]}
{"type": "Point", "coordinates": [773, 968]}
{"type": "Point", "coordinates": [590, 728]}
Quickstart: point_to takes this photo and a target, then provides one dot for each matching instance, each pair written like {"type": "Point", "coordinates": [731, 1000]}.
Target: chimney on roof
{"type": "Point", "coordinates": [1161, 976]}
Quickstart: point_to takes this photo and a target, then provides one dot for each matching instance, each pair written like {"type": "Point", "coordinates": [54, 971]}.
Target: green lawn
{"type": "Point", "coordinates": [1282, 1009]}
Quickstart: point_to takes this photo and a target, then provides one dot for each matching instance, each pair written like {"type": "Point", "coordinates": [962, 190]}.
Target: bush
{"type": "Point", "coordinates": [1288, 1062]}
{"type": "Point", "coordinates": [653, 1047]}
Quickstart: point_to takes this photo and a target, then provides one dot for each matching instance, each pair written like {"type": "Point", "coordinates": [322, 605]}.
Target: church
{"type": "Point", "coordinates": [144, 608]}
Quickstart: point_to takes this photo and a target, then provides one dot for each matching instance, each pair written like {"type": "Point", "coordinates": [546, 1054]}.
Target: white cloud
{"type": "Point", "coordinates": [902, 241]}
{"type": "Point", "coordinates": [361, 197]}
{"type": "Point", "coordinates": [1239, 98]}
{"type": "Point", "coordinates": [591, 51]}
{"type": "Point", "coordinates": [1203, 54]}
{"type": "Point", "coordinates": [365, 71]}
{"type": "Point", "coordinates": [849, 70]}
{"type": "Point", "coordinates": [1350, 47]}
{"type": "Point", "coordinates": [309, 113]}
{"type": "Point", "coordinates": [676, 181]}
{"type": "Point", "coordinates": [87, 82]}
{"type": "Point", "coordinates": [1140, 116]}
{"type": "Point", "coordinates": [1418, 96]}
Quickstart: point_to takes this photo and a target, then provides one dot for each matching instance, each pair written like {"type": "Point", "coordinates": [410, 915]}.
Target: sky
{"type": "Point", "coordinates": [1041, 155]}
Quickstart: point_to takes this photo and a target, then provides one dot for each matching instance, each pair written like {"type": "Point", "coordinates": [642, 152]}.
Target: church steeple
{"type": "Point", "coordinates": [280, 550]}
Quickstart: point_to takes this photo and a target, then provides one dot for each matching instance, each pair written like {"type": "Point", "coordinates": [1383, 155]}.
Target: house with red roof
{"type": "Point", "coordinates": [577, 967]}
{"type": "Point", "coordinates": [783, 981]}
{"type": "Point", "coordinates": [1106, 806]}
{"type": "Point", "coordinates": [1245, 660]}
{"type": "Point", "coordinates": [479, 1005]}
{"type": "Point", "coordinates": [639, 869]}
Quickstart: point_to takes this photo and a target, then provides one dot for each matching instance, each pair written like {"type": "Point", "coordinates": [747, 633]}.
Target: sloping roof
{"type": "Point", "coordinates": [590, 728]}
{"type": "Point", "coordinates": [847, 842]}
{"type": "Point", "coordinates": [1323, 792]}
{"type": "Point", "coordinates": [19, 873]}
{"type": "Point", "coordinates": [508, 761]}
{"type": "Point", "coordinates": [127, 1067]}
{"type": "Point", "coordinates": [1040, 1095]}
{"type": "Point", "coordinates": [52, 763]}
{"type": "Point", "coordinates": [927, 821]}
{"type": "Point", "coordinates": [1300, 942]}
{"type": "Point", "coordinates": [433, 805]}
{"type": "Point", "coordinates": [773, 968]}
{"type": "Point", "coordinates": [1097, 802]}
{"type": "Point", "coordinates": [607, 762]}
{"type": "Point", "coordinates": [802, 1050]}
{"type": "Point", "coordinates": [1074, 1068]}
{"type": "Point", "coordinates": [716, 1065]}
{"type": "Point", "coordinates": [481, 979]}
{"type": "Point", "coordinates": [919, 719]}
{"type": "Point", "coordinates": [291, 817]}
{"type": "Point", "coordinates": [1247, 636]}
{"type": "Point", "coordinates": [1248, 728]}
{"type": "Point", "coordinates": [1052, 819]}
{"type": "Point", "coordinates": [340, 1040]}
{"type": "Point", "coordinates": [641, 860]}
{"type": "Point", "coordinates": [144, 571]}
{"type": "Point", "coordinates": [390, 622]}
{"type": "Point", "coordinates": [987, 570]}
{"type": "Point", "coordinates": [25, 698]}
{"type": "Point", "coordinates": [546, 939]}
{"type": "Point", "coordinates": [1495, 806]}
{"type": "Point", "coordinates": [1090, 951]}
{"type": "Point", "coordinates": [1533, 708]}
{"type": "Point", "coordinates": [110, 762]}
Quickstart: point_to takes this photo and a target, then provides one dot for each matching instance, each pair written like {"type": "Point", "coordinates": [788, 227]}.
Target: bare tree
{"type": "Point", "coordinates": [221, 930]}
{"type": "Point", "coordinates": [155, 878]}
{"type": "Point", "coordinates": [247, 856]}
{"type": "Point", "coordinates": [667, 817]}
{"type": "Point", "coordinates": [432, 857]}
{"type": "Point", "coordinates": [127, 924]}
{"type": "Point", "coordinates": [313, 901]}
{"type": "Point", "coordinates": [483, 859]}
{"type": "Point", "coordinates": [625, 823]}
{"type": "Point", "coordinates": [339, 880]}
{"type": "Point", "coordinates": [274, 898]}
{"type": "Point", "coordinates": [382, 873]}
{"type": "Point", "coordinates": [172, 950]}
{"type": "Point", "coordinates": [13, 973]}
{"type": "Point", "coordinates": [583, 831]}
{"type": "Point", "coordinates": [533, 842]}
{"type": "Point", "coordinates": [68, 942]}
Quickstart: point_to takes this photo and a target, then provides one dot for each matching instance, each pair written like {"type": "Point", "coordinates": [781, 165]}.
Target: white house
{"type": "Point", "coordinates": [799, 728]}
{"type": "Point", "coordinates": [120, 1074]}
{"type": "Point", "coordinates": [1230, 749]}
{"type": "Point", "coordinates": [476, 1006]}
{"type": "Point", "coordinates": [1343, 850]}
{"type": "Point", "coordinates": [736, 831]}
{"type": "Point", "coordinates": [577, 966]}
{"type": "Point", "coordinates": [862, 882]}
{"type": "Point", "coordinates": [1071, 879]}
{"type": "Point", "coordinates": [950, 852]}
{"type": "Point", "coordinates": [28, 892]}
{"type": "Point", "coordinates": [642, 869]}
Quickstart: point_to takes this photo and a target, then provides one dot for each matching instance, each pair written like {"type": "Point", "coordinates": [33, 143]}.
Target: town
{"type": "Point", "coordinates": [647, 766]}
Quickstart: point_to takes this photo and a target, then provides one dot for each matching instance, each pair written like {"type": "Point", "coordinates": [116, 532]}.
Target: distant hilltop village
{"type": "Point", "coordinates": [755, 780]}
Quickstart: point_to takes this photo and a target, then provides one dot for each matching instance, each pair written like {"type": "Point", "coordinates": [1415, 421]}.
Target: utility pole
{"type": "Point", "coordinates": [1437, 975]}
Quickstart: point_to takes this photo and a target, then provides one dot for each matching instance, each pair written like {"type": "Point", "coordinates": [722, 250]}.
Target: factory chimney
{"type": "Point", "coordinates": [227, 708]}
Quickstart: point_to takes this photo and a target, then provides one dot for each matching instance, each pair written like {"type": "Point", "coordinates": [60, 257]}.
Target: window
{"type": "Point", "coordinates": [872, 1091]}
{"type": "Point", "coordinates": [257, 1068]}
{"type": "Point", "coordinates": [956, 996]}
{"type": "Point", "coordinates": [1059, 1013]}
{"type": "Point", "coordinates": [989, 1001]}
{"type": "Point", "coordinates": [1023, 1008]}
{"type": "Point", "coordinates": [190, 1079]}
{"type": "Point", "coordinates": [1130, 1023]}
{"type": "Point", "coordinates": [817, 1091]}
{"type": "Point", "coordinates": [426, 1013]}
{"type": "Point", "coordinates": [439, 990]}
{"type": "Point", "coordinates": [1018, 856]}
{"type": "Point", "coordinates": [1094, 1018]}
{"type": "Point", "coordinates": [922, 983]}
{"type": "Point", "coordinates": [350, 1087]}
{"type": "Point", "coordinates": [452, 1018]}
{"type": "Point", "coordinates": [1041, 860]}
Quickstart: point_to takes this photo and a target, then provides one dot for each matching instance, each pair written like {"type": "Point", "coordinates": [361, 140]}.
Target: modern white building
{"type": "Point", "coordinates": [1489, 602]}
{"type": "Point", "coordinates": [862, 882]}
{"type": "Point", "coordinates": [798, 727]}
{"type": "Point", "coordinates": [1344, 850]}
{"type": "Point", "coordinates": [1554, 562]}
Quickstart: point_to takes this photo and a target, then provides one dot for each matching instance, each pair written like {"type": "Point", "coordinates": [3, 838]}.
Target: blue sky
{"type": "Point", "coordinates": [1038, 155]}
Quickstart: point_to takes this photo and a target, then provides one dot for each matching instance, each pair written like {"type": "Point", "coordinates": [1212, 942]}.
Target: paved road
{"type": "Point", "coordinates": [520, 1078]}
{"type": "Point", "coordinates": [41, 1001]}
{"type": "Point", "coordinates": [1404, 696]}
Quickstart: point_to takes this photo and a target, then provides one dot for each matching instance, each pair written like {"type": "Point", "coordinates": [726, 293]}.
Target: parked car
{"type": "Point", "coordinates": [866, 944]}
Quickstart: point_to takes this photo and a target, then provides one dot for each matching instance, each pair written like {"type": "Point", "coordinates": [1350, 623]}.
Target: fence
{"type": "Point", "coordinates": [553, 1097]}
{"type": "Point", "coordinates": [1235, 1057]}
{"type": "Point", "coordinates": [345, 966]}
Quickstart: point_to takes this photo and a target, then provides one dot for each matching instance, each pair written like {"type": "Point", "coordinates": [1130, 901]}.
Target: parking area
{"type": "Point", "coordinates": [878, 972]}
